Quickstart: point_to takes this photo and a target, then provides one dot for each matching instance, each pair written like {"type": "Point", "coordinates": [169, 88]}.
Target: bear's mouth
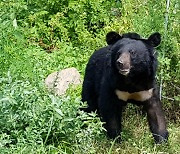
{"type": "Point", "coordinates": [124, 71]}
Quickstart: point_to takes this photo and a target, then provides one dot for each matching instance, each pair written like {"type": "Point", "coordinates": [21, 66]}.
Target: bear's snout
{"type": "Point", "coordinates": [123, 63]}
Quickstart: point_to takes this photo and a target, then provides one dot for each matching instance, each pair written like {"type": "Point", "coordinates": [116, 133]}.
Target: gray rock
{"type": "Point", "coordinates": [59, 82]}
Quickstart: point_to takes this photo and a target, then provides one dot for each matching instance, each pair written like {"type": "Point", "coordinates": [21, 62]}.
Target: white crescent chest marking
{"type": "Point", "coordinates": [137, 96]}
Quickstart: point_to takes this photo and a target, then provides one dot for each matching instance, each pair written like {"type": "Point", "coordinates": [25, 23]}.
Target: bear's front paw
{"type": "Point", "coordinates": [114, 134]}
{"type": "Point", "coordinates": [161, 138]}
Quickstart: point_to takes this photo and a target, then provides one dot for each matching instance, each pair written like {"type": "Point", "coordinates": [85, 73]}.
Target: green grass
{"type": "Point", "coordinates": [33, 120]}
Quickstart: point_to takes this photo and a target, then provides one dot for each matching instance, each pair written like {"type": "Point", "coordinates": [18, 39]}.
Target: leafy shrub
{"type": "Point", "coordinates": [77, 22]}
{"type": "Point", "coordinates": [28, 117]}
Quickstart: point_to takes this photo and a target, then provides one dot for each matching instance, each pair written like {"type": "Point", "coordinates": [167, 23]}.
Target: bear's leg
{"type": "Point", "coordinates": [111, 114]}
{"type": "Point", "coordinates": [156, 119]}
{"type": "Point", "coordinates": [89, 95]}
{"type": "Point", "coordinates": [92, 105]}
{"type": "Point", "coordinates": [113, 124]}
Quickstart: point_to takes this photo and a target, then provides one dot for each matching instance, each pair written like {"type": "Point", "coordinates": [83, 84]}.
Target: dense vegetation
{"type": "Point", "coordinates": [39, 37]}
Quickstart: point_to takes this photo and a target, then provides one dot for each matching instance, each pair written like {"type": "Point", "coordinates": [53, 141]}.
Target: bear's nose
{"type": "Point", "coordinates": [123, 65]}
{"type": "Point", "coordinates": [123, 62]}
{"type": "Point", "coordinates": [120, 64]}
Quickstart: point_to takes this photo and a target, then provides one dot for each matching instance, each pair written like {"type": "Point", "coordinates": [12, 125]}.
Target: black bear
{"type": "Point", "coordinates": [124, 71]}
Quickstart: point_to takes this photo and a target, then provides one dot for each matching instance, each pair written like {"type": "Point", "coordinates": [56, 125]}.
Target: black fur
{"type": "Point", "coordinates": [102, 79]}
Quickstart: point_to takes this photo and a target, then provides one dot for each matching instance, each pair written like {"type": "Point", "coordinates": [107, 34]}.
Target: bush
{"type": "Point", "coordinates": [29, 117]}
{"type": "Point", "coordinates": [76, 22]}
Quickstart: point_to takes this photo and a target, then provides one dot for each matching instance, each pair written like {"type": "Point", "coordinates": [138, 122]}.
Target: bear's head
{"type": "Point", "coordinates": [130, 54]}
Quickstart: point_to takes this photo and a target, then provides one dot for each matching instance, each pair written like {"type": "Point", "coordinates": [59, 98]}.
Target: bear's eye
{"type": "Point", "coordinates": [133, 53]}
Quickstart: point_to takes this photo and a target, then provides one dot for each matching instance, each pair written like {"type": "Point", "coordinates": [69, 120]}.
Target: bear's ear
{"type": "Point", "coordinates": [155, 39]}
{"type": "Point", "coordinates": [112, 37]}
